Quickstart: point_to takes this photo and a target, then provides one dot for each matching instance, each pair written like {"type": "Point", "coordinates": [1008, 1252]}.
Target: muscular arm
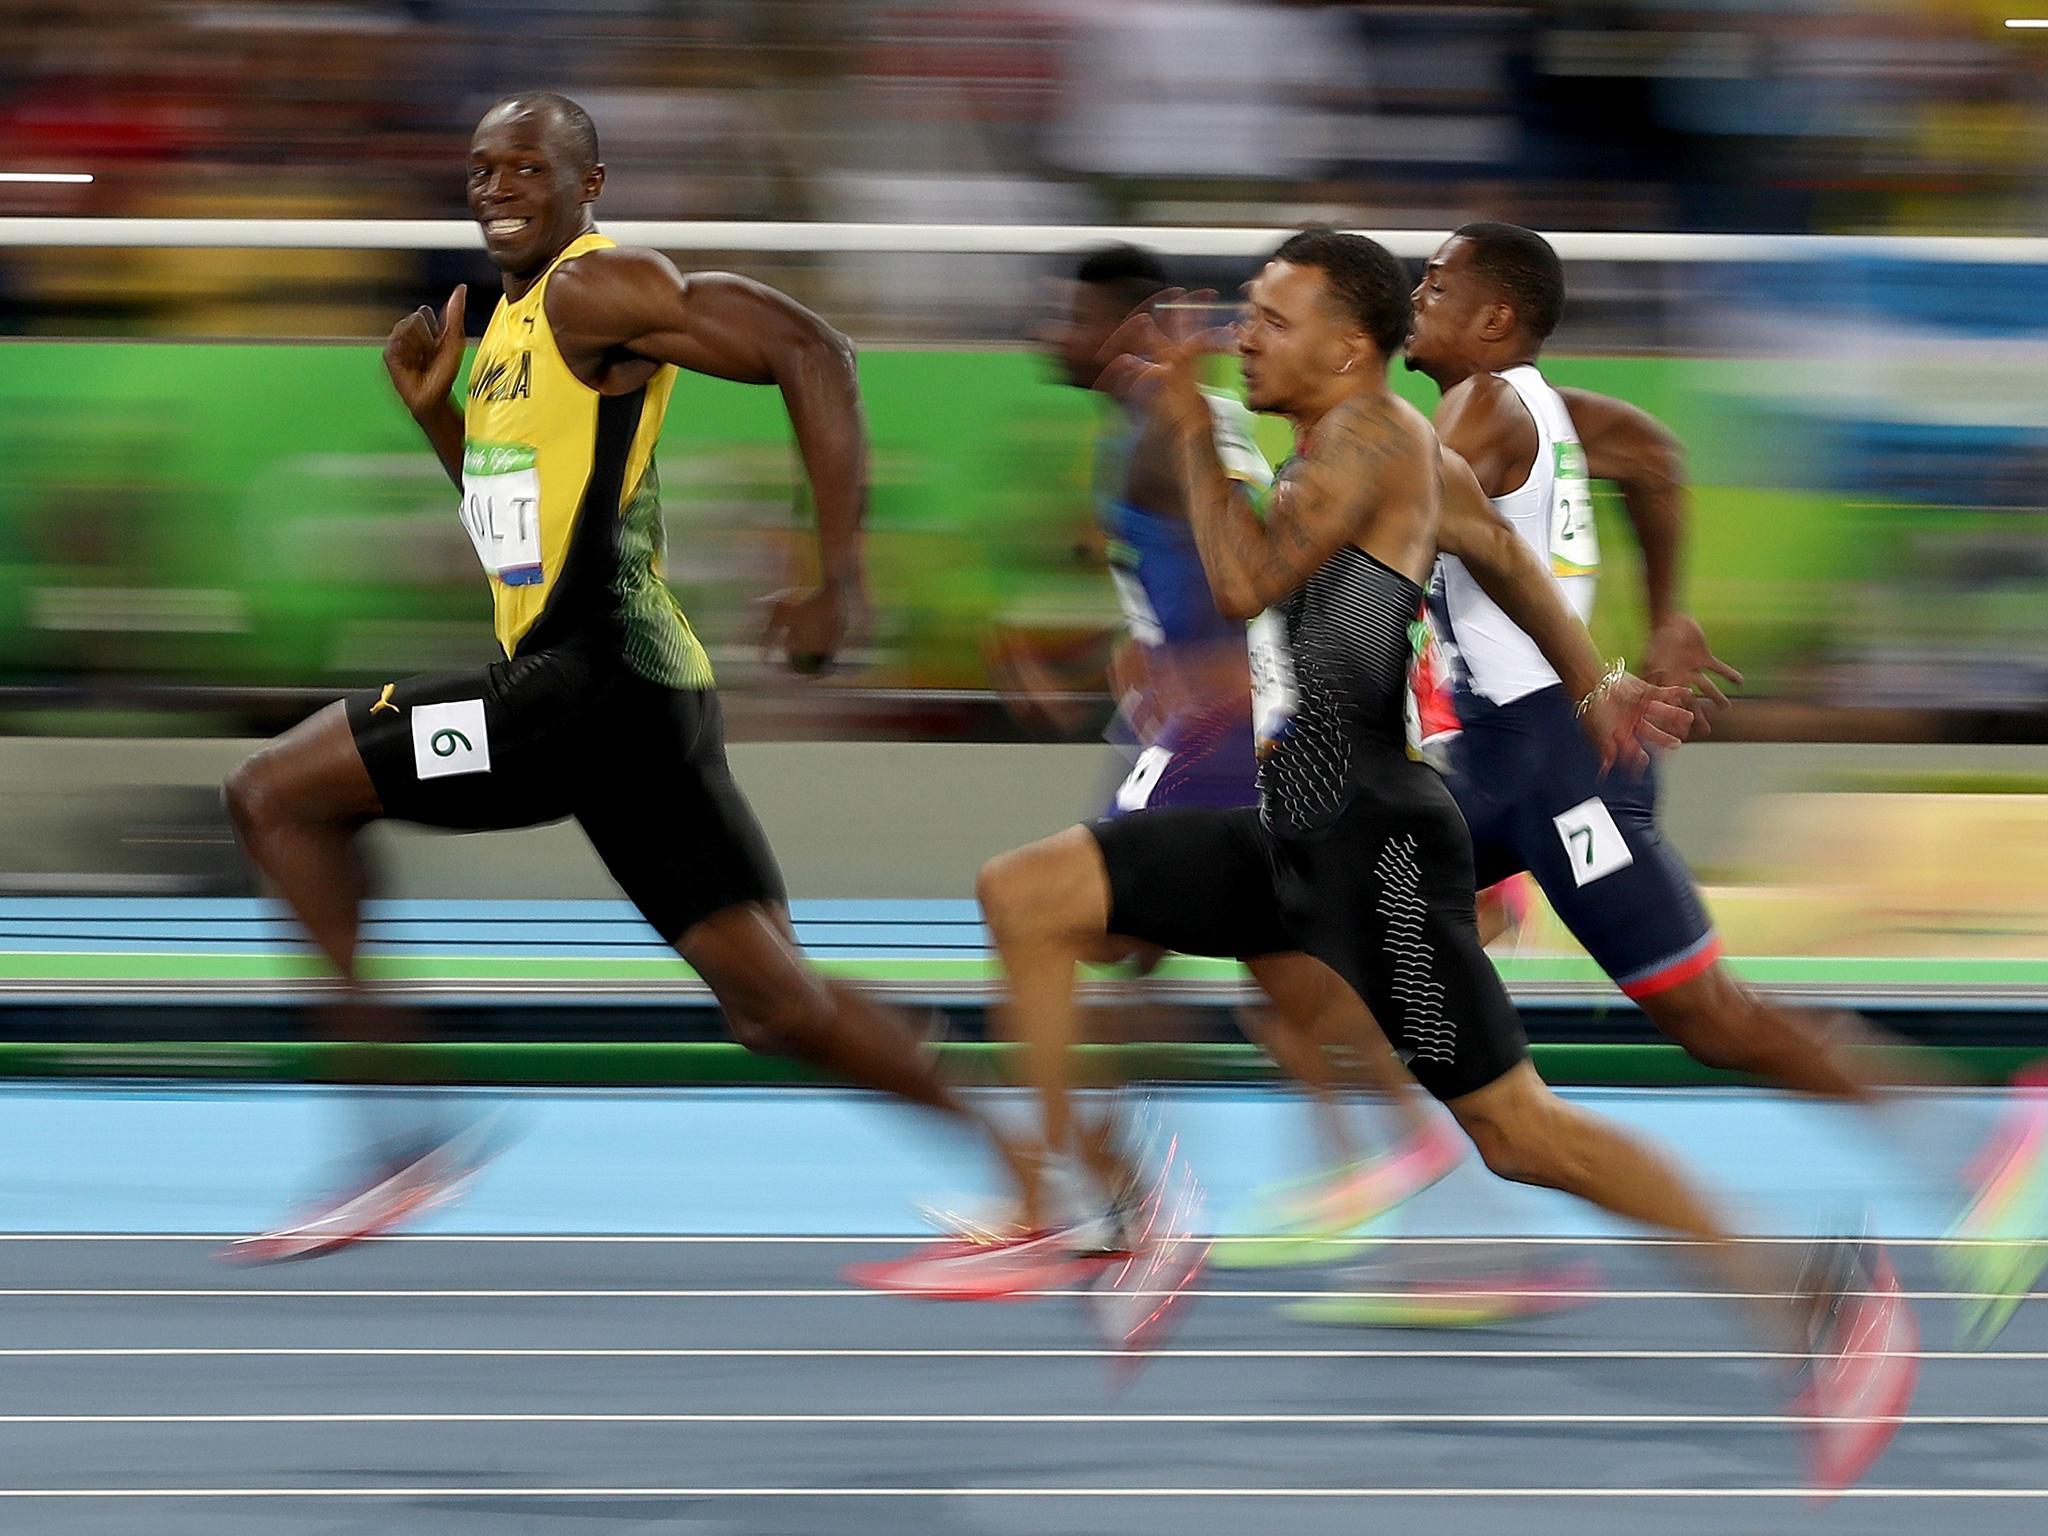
{"type": "Point", "coordinates": [1316, 507]}
{"type": "Point", "coordinates": [442, 424]}
{"type": "Point", "coordinates": [1623, 715]}
{"type": "Point", "coordinates": [1484, 421]}
{"type": "Point", "coordinates": [1643, 457]}
{"type": "Point", "coordinates": [612, 308]}
{"type": "Point", "coordinates": [1509, 572]}
{"type": "Point", "coordinates": [1645, 460]}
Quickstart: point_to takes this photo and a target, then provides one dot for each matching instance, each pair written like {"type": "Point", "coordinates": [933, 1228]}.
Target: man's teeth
{"type": "Point", "coordinates": [505, 226]}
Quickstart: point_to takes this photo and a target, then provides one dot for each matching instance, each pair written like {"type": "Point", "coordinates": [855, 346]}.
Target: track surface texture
{"type": "Point", "coordinates": [520, 1368]}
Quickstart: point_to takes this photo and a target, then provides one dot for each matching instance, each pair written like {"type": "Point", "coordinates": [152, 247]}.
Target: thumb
{"type": "Point", "coordinates": [451, 316]}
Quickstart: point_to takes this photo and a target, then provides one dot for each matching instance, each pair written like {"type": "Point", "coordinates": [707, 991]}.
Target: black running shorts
{"type": "Point", "coordinates": [1383, 897]}
{"type": "Point", "coordinates": [566, 733]}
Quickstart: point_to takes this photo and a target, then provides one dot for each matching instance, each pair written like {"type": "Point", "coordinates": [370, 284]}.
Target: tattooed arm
{"type": "Point", "coordinates": [1318, 504]}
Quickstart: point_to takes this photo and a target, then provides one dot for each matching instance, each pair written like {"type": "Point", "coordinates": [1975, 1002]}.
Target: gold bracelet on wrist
{"type": "Point", "coordinates": [1616, 670]}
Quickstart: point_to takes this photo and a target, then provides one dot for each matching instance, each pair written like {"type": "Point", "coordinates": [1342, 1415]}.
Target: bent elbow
{"type": "Point", "coordinates": [1237, 601]}
{"type": "Point", "coordinates": [839, 348]}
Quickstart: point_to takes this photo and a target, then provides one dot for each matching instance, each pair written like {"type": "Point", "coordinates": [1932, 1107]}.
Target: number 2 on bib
{"type": "Point", "coordinates": [1574, 545]}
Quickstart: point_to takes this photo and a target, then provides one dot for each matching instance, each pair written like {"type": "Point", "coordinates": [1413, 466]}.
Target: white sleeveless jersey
{"type": "Point", "coordinates": [1553, 513]}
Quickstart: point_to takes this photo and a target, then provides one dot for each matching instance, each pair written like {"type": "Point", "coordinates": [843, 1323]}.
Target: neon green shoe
{"type": "Point", "coordinates": [2004, 1233]}
{"type": "Point", "coordinates": [1331, 1217]}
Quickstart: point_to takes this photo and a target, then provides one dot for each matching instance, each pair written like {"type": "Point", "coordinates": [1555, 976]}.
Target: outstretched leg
{"type": "Point", "coordinates": [1723, 1022]}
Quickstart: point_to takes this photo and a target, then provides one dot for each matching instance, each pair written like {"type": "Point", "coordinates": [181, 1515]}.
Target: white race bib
{"type": "Point", "coordinates": [1593, 844]}
{"type": "Point", "coordinates": [501, 510]}
{"type": "Point", "coordinates": [1138, 612]}
{"type": "Point", "coordinates": [1274, 695]}
{"type": "Point", "coordinates": [1574, 545]}
{"type": "Point", "coordinates": [448, 739]}
{"type": "Point", "coordinates": [1237, 448]}
{"type": "Point", "coordinates": [1136, 791]}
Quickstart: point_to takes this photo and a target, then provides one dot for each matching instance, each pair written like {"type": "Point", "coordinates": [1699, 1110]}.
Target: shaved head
{"type": "Point", "coordinates": [577, 133]}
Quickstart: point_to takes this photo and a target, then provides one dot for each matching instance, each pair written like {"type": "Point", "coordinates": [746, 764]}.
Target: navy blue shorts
{"type": "Point", "coordinates": [1530, 787]}
{"type": "Point", "coordinates": [1206, 760]}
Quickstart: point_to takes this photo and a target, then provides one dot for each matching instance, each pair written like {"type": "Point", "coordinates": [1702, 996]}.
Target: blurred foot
{"type": "Point", "coordinates": [2003, 1235]}
{"type": "Point", "coordinates": [1136, 1302]}
{"type": "Point", "coordinates": [1308, 1222]}
{"type": "Point", "coordinates": [1006, 1268]}
{"type": "Point", "coordinates": [1862, 1369]}
{"type": "Point", "coordinates": [398, 1191]}
{"type": "Point", "coordinates": [1467, 1286]}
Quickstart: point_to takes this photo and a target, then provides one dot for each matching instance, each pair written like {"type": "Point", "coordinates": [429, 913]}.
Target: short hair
{"type": "Point", "coordinates": [1129, 272]}
{"type": "Point", "coordinates": [569, 115]}
{"type": "Point", "coordinates": [1523, 266]}
{"type": "Point", "coordinates": [1366, 278]}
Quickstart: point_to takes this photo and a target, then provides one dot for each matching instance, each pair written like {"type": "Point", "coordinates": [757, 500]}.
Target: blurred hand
{"type": "Point", "coordinates": [425, 353]}
{"type": "Point", "coordinates": [1036, 696]}
{"type": "Point", "coordinates": [1130, 670]}
{"type": "Point", "coordinates": [807, 625]}
{"type": "Point", "coordinates": [1678, 657]}
{"type": "Point", "coordinates": [1628, 719]}
{"type": "Point", "coordinates": [1151, 360]}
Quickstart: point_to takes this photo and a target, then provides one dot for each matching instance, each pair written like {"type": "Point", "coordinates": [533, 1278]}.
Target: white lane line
{"type": "Point", "coordinates": [928, 1419]}
{"type": "Point", "coordinates": [536, 1352]}
{"type": "Point", "coordinates": [447, 1491]}
{"type": "Point", "coordinates": [899, 1240]}
{"type": "Point", "coordinates": [1436, 1291]}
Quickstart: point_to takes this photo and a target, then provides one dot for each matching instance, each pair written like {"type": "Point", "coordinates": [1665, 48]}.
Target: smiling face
{"type": "Point", "coordinates": [1294, 339]}
{"type": "Point", "coordinates": [527, 187]}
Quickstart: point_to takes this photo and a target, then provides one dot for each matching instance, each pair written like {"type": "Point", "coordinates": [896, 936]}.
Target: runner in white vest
{"type": "Point", "coordinates": [1532, 792]}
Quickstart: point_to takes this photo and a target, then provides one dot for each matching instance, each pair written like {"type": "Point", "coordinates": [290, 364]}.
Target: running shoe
{"type": "Point", "coordinates": [1862, 1366]}
{"type": "Point", "coordinates": [400, 1191]}
{"type": "Point", "coordinates": [1460, 1287]}
{"type": "Point", "coordinates": [2001, 1241]}
{"type": "Point", "coordinates": [1012, 1268]}
{"type": "Point", "coordinates": [1330, 1217]}
{"type": "Point", "coordinates": [1135, 1302]}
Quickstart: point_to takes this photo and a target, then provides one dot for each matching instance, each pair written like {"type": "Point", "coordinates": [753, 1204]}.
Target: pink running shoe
{"type": "Point", "coordinates": [1002, 1268]}
{"type": "Point", "coordinates": [1863, 1368]}
{"type": "Point", "coordinates": [396, 1194]}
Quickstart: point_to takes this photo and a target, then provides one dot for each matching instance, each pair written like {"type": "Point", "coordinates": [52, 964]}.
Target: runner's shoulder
{"type": "Point", "coordinates": [1482, 415]}
{"type": "Point", "coordinates": [609, 283]}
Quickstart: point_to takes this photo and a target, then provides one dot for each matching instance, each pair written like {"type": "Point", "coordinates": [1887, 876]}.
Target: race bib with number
{"type": "Point", "coordinates": [1593, 844]}
{"type": "Point", "coordinates": [1574, 546]}
{"type": "Point", "coordinates": [448, 739]}
{"type": "Point", "coordinates": [1135, 793]}
{"type": "Point", "coordinates": [501, 510]}
{"type": "Point", "coordinates": [1274, 695]}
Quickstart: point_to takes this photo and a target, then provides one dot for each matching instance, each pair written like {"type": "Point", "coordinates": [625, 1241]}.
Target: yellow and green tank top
{"type": "Point", "coordinates": [560, 498]}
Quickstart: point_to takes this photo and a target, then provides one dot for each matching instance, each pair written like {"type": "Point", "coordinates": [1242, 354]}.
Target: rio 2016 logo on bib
{"type": "Point", "coordinates": [448, 739]}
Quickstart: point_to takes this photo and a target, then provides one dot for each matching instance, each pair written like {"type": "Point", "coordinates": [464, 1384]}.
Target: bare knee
{"type": "Point", "coordinates": [999, 887]}
{"type": "Point", "coordinates": [1055, 887]}
{"type": "Point", "coordinates": [1718, 1022]}
{"type": "Point", "coordinates": [1527, 1137]}
{"type": "Point", "coordinates": [250, 794]}
{"type": "Point", "coordinates": [311, 775]}
{"type": "Point", "coordinates": [775, 1021]}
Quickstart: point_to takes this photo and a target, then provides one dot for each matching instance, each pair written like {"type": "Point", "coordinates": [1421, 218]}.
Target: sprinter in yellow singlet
{"type": "Point", "coordinates": [603, 706]}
